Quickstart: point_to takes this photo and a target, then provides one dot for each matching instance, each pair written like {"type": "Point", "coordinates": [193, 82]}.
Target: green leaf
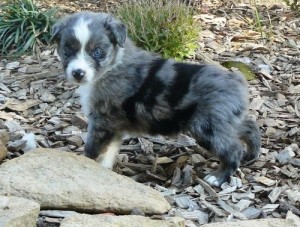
{"type": "Point", "coordinates": [242, 67]}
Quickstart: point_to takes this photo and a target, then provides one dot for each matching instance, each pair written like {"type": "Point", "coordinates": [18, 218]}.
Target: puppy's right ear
{"type": "Point", "coordinates": [56, 31]}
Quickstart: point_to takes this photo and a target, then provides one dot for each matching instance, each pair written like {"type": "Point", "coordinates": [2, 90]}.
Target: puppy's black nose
{"type": "Point", "coordinates": [78, 74]}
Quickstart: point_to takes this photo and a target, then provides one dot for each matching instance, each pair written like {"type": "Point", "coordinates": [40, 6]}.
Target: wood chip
{"type": "Point", "coordinates": [207, 187]}
{"type": "Point", "coordinates": [251, 212]}
{"type": "Point", "coordinates": [275, 193]}
{"type": "Point", "coordinates": [269, 208]}
{"type": "Point", "coordinates": [265, 180]}
{"type": "Point", "coordinates": [196, 215]}
{"type": "Point", "coordinates": [16, 105]}
{"type": "Point", "coordinates": [242, 205]}
{"type": "Point", "coordinates": [230, 210]}
{"type": "Point", "coordinates": [214, 209]}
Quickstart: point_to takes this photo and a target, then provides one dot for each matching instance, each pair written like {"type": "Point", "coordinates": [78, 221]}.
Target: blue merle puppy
{"type": "Point", "coordinates": [124, 89]}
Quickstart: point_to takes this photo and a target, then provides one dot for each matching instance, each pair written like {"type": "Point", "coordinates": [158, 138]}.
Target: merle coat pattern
{"type": "Point", "coordinates": [125, 89]}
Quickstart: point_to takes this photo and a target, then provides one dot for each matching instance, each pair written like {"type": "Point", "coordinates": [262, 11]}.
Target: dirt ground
{"type": "Point", "coordinates": [36, 98]}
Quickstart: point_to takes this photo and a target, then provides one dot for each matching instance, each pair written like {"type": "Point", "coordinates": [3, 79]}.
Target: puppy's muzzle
{"type": "Point", "coordinates": [78, 74]}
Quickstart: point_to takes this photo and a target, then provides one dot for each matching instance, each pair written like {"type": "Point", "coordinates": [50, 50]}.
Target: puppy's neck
{"type": "Point", "coordinates": [118, 59]}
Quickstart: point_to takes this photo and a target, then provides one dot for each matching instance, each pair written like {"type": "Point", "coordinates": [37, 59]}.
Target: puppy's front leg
{"type": "Point", "coordinates": [102, 144]}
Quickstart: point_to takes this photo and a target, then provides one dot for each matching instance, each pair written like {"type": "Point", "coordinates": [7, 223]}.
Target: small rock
{"type": "Point", "coordinates": [15, 211]}
{"type": "Point", "coordinates": [76, 183]}
{"type": "Point", "coordinates": [113, 221]}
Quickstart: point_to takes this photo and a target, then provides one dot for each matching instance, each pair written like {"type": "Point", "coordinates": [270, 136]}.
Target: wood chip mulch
{"type": "Point", "coordinates": [36, 99]}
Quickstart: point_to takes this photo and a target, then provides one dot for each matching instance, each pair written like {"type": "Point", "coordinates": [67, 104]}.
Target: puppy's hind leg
{"type": "Point", "coordinates": [102, 145]}
{"type": "Point", "coordinates": [226, 146]}
{"type": "Point", "coordinates": [249, 133]}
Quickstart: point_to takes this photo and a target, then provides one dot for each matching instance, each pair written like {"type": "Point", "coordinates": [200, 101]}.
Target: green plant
{"type": "Point", "coordinates": [166, 27]}
{"type": "Point", "coordinates": [24, 27]}
{"type": "Point", "coordinates": [293, 4]}
{"type": "Point", "coordinates": [264, 27]}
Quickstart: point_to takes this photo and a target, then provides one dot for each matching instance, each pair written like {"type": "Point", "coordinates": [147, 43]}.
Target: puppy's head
{"type": "Point", "coordinates": [88, 44]}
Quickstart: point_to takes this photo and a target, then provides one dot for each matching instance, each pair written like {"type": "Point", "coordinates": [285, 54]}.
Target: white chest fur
{"type": "Point", "coordinates": [84, 92]}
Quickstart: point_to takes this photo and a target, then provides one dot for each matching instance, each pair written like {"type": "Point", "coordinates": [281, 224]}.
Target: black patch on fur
{"type": "Point", "coordinates": [178, 122]}
{"type": "Point", "coordinates": [100, 138]}
{"type": "Point", "coordinates": [147, 93]}
{"type": "Point", "coordinates": [204, 143]}
{"type": "Point", "coordinates": [237, 113]}
{"type": "Point", "coordinates": [180, 87]}
{"type": "Point", "coordinates": [207, 130]}
{"type": "Point", "coordinates": [71, 42]}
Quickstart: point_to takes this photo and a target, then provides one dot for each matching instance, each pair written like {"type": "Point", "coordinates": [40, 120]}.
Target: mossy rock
{"type": "Point", "coordinates": [242, 67]}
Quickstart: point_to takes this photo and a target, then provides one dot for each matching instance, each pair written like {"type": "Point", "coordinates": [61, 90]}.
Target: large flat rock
{"type": "Point", "coordinates": [15, 212]}
{"type": "Point", "coordinates": [270, 222]}
{"type": "Point", "coordinates": [84, 220]}
{"type": "Point", "coordinates": [63, 180]}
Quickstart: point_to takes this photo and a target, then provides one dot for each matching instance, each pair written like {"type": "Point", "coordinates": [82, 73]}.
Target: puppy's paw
{"type": "Point", "coordinates": [106, 163]}
{"type": "Point", "coordinates": [213, 180]}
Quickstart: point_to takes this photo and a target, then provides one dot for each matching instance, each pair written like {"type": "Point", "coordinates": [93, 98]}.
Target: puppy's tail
{"type": "Point", "coordinates": [249, 132]}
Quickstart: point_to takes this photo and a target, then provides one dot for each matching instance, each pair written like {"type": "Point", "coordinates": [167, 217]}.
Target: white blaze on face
{"type": "Point", "coordinates": [82, 33]}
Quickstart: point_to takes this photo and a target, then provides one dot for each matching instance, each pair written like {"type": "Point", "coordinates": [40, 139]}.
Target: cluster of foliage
{"type": "Point", "coordinates": [293, 4]}
{"type": "Point", "coordinates": [166, 27]}
{"type": "Point", "coordinates": [24, 27]}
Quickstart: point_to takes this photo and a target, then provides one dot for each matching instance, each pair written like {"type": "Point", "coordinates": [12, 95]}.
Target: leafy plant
{"type": "Point", "coordinates": [166, 27]}
{"type": "Point", "coordinates": [24, 27]}
{"type": "Point", "coordinates": [264, 27]}
{"type": "Point", "coordinates": [293, 4]}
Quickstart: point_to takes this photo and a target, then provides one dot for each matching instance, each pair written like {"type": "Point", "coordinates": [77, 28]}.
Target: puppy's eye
{"type": "Point", "coordinates": [68, 51]}
{"type": "Point", "coordinates": [98, 53]}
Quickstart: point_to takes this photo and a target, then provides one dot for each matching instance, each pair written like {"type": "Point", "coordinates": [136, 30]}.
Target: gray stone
{"type": "Point", "coordinates": [15, 211]}
{"type": "Point", "coordinates": [63, 180]}
{"type": "Point", "coordinates": [84, 220]}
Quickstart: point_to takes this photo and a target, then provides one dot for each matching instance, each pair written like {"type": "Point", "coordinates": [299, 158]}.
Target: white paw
{"type": "Point", "coordinates": [212, 180]}
{"type": "Point", "coordinates": [106, 163]}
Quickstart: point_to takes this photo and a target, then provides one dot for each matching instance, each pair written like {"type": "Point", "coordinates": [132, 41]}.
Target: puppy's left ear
{"type": "Point", "coordinates": [117, 31]}
{"type": "Point", "coordinates": [56, 30]}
